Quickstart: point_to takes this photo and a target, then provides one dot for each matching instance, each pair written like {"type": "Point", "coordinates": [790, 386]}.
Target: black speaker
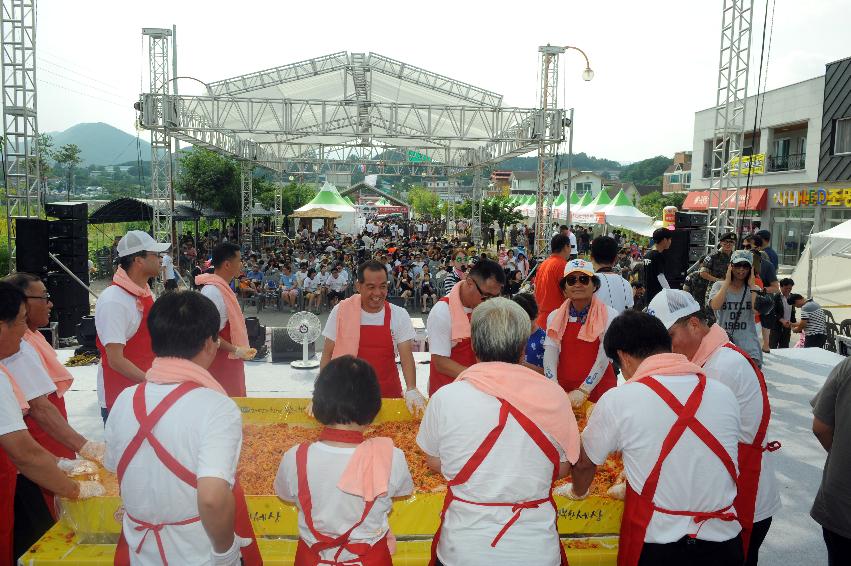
{"type": "Point", "coordinates": [79, 264]}
{"type": "Point", "coordinates": [68, 246]}
{"type": "Point", "coordinates": [69, 318]}
{"type": "Point", "coordinates": [69, 229]}
{"type": "Point", "coordinates": [31, 246]}
{"type": "Point", "coordinates": [67, 210]}
{"type": "Point", "coordinates": [676, 258]}
{"type": "Point", "coordinates": [86, 331]}
{"type": "Point", "coordinates": [285, 350]}
{"type": "Point", "coordinates": [65, 293]}
{"type": "Point", "coordinates": [691, 219]}
{"type": "Point", "coordinates": [256, 334]}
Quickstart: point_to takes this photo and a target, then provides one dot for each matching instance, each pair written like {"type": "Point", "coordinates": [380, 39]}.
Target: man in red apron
{"type": "Point", "coordinates": [449, 323]}
{"type": "Point", "coordinates": [367, 326]}
{"type": "Point", "coordinates": [678, 433]}
{"type": "Point", "coordinates": [121, 313]}
{"type": "Point", "coordinates": [174, 442]}
{"type": "Point", "coordinates": [229, 366]}
{"type": "Point", "coordinates": [18, 450]}
{"type": "Point", "coordinates": [573, 349]}
{"type": "Point", "coordinates": [709, 347]}
{"type": "Point", "coordinates": [501, 434]}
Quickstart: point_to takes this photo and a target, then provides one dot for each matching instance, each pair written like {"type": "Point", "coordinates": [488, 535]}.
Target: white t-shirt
{"type": "Point", "coordinates": [733, 370]}
{"type": "Point", "coordinates": [311, 284]}
{"type": "Point", "coordinates": [615, 291]}
{"type": "Point", "coordinates": [400, 323]}
{"type": "Point", "coordinates": [28, 372]}
{"type": "Point", "coordinates": [300, 276]}
{"type": "Point", "coordinates": [11, 419]}
{"type": "Point", "coordinates": [457, 419]}
{"type": "Point", "coordinates": [116, 321]}
{"type": "Point", "coordinates": [322, 278]}
{"type": "Point", "coordinates": [439, 328]}
{"type": "Point", "coordinates": [214, 294]}
{"type": "Point", "coordinates": [573, 248]}
{"type": "Point", "coordinates": [334, 511]}
{"type": "Point", "coordinates": [203, 431]}
{"type": "Point", "coordinates": [337, 284]}
{"type": "Point", "coordinates": [635, 420]}
{"type": "Point", "coordinates": [168, 266]}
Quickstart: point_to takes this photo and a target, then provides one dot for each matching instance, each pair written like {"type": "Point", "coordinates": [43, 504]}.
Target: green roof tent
{"type": "Point", "coordinates": [585, 200]}
{"type": "Point", "coordinates": [574, 198]}
{"type": "Point", "coordinates": [530, 200]}
{"type": "Point", "coordinates": [348, 200]}
{"type": "Point", "coordinates": [329, 199]}
{"type": "Point", "coordinates": [621, 199]}
{"type": "Point", "coordinates": [559, 200]}
{"type": "Point", "coordinates": [600, 201]}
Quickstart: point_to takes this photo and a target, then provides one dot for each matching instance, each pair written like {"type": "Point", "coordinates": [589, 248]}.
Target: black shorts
{"type": "Point", "coordinates": [336, 295]}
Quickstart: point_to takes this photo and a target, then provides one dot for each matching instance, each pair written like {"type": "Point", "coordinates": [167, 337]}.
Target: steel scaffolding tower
{"type": "Point", "coordinates": [477, 231]}
{"type": "Point", "coordinates": [20, 115]}
{"type": "Point", "coordinates": [279, 204]}
{"type": "Point", "coordinates": [247, 200]}
{"type": "Point", "coordinates": [728, 137]}
{"type": "Point", "coordinates": [162, 192]}
{"type": "Point", "coordinates": [546, 151]}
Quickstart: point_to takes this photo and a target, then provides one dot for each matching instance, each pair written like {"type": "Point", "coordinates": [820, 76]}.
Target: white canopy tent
{"type": "Point", "coordinates": [329, 199]}
{"type": "Point", "coordinates": [620, 213]}
{"type": "Point", "coordinates": [824, 266]}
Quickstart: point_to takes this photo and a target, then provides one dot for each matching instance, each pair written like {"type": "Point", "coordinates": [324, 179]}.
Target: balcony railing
{"type": "Point", "coordinates": [786, 162]}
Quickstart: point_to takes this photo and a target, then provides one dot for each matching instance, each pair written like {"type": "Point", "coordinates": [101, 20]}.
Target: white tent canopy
{"type": "Point", "coordinates": [821, 268]}
{"type": "Point", "coordinates": [620, 213]}
{"type": "Point", "coordinates": [328, 198]}
{"type": "Point", "coordinates": [831, 242]}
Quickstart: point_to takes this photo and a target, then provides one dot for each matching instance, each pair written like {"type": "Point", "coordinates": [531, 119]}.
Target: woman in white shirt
{"type": "Point", "coordinates": [311, 290]}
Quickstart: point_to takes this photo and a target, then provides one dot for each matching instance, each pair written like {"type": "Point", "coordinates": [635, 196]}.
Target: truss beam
{"type": "Point", "coordinates": [477, 232]}
{"type": "Point", "coordinates": [247, 203]}
{"type": "Point", "coordinates": [281, 75]}
{"type": "Point", "coordinates": [547, 152]}
{"type": "Point", "coordinates": [162, 194]}
{"type": "Point", "coordinates": [20, 115]}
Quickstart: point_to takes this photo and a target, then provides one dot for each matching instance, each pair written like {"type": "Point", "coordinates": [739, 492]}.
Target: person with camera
{"type": "Point", "coordinates": [734, 301]}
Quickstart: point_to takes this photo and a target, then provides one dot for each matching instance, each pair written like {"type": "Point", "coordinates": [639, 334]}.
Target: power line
{"type": "Point", "coordinates": [87, 95]}
{"type": "Point", "coordinates": [102, 91]}
{"type": "Point", "coordinates": [89, 77]}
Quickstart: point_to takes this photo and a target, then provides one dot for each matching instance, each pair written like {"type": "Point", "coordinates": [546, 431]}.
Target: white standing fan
{"type": "Point", "coordinates": [303, 328]}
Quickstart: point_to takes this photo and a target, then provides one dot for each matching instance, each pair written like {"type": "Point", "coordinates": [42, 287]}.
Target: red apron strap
{"type": "Point", "coordinates": [759, 439]}
{"type": "Point", "coordinates": [537, 435]}
{"type": "Point", "coordinates": [482, 451]}
{"type": "Point", "coordinates": [147, 422]}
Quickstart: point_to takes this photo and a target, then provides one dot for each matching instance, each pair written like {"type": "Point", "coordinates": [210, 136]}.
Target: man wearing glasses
{"type": "Point", "coordinates": [715, 265]}
{"type": "Point", "coordinates": [449, 322]}
{"type": "Point", "coordinates": [121, 315]}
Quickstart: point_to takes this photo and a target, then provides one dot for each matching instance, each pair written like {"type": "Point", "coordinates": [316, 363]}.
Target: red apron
{"type": "Point", "coordinates": [576, 359]}
{"type": "Point", "coordinates": [479, 456]}
{"type": "Point", "coordinates": [229, 373]}
{"type": "Point", "coordinates": [147, 422]}
{"type": "Point", "coordinates": [8, 480]}
{"type": "Point", "coordinates": [462, 353]}
{"type": "Point", "coordinates": [50, 444]}
{"type": "Point", "coordinates": [376, 347]}
{"type": "Point", "coordinates": [137, 350]}
{"type": "Point", "coordinates": [750, 460]}
{"type": "Point", "coordinates": [639, 508]}
{"type": "Point", "coordinates": [377, 554]}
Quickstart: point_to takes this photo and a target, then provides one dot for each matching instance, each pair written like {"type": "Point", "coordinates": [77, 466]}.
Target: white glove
{"type": "Point", "coordinates": [577, 398]}
{"type": "Point", "coordinates": [245, 353]}
{"type": "Point", "coordinates": [90, 489]}
{"type": "Point", "coordinates": [415, 402]}
{"type": "Point", "coordinates": [566, 490]}
{"type": "Point", "coordinates": [309, 409]}
{"type": "Point", "coordinates": [93, 450]}
{"type": "Point", "coordinates": [232, 556]}
{"type": "Point", "coordinates": [77, 467]}
{"type": "Point", "coordinates": [617, 491]}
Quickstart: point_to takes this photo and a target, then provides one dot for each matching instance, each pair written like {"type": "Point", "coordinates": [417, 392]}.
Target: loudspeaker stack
{"type": "Point", "coordinates": [688, 245]}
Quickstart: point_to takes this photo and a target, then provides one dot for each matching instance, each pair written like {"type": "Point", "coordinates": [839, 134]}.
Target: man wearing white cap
{"type": "Point", "coordinates": [709, 346]}
{"type": "Point", "coordinates": [121, 313]}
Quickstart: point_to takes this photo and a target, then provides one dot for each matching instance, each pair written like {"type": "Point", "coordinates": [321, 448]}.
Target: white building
{"type": "Point", "coordinates": [526, 182]}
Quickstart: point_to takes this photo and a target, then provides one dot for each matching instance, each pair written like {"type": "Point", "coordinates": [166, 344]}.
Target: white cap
{"type": "Point", "coordinates": [136, 241]}
{"type": "Point", "coordinates": [670, 305]}
{"type": "Point", "coordinates": [579, 265]}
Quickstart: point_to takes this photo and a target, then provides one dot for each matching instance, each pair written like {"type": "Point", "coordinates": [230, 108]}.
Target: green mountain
{"type": "Point", "coordinates": [102, 144]}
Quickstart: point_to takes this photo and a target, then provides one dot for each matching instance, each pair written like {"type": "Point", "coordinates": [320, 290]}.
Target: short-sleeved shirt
{"type": "Point", "coordinates": [401, 326]}
{"type": "Point", "coordinates": [28, 372]}
{"type": "Point", "coordinates": [716, 264]}
{"type": "Point", "coordinates": [815, 317]}
{"type": "Point", "coordinates": [168, 267]}
{"type": "Point", "coordinates": [439, 327]}
{"type": "Point", "coordinates": [212, 292]}
{"type": "Point", "coordinates": [615, 291]}
{"type": "Point", "coordinates": [548, 294]}
{"type": "Point", "coordinates": [736, 317]}
{"type": "Point", "coordinates": [203, 431]}
{"type": "Point", "coordinates": [335, 511]}
{"type": "Point", "coordinates": [11, 419]}
{"type": "Point", "coordinates": [654, 266]}
{"type": "Point", "coordinates": [832, 406]}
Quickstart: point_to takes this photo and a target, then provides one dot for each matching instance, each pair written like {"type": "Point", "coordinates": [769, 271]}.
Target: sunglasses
{"type": "Point", "coordinates": [742, 265]}
{"type": "Point", "coordinates": [583, 279]}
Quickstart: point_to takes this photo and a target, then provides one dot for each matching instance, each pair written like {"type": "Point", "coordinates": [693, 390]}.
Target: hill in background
{"type": "Point", "coordinates": [102, 144]}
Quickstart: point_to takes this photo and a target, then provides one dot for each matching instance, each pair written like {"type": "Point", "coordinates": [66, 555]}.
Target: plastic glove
{"type": "Point", "coordinates": [617, 491]}
{"type": "Point", "coordinates": [309, 409]}
{"type": "Point", "coordinates": [77, 467]}
{"type": "Point", "coordinates": [415, 402]}
{"type": "Point", "coordinates": [577, 398]}
{"type": "Point", "coordinates": [566, 490]}
{"type": "Point", "coordinates": [93, 450]}
{"type": "Point", "coordinates": [90, 489]}
{"type": "Point", "coordinates": [245, 353]}
{"type": "Point", "coordinates": [232, 556]}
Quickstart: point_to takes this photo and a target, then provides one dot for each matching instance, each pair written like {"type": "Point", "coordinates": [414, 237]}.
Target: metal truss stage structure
{"type": "Point", "coordinates": [345, 112]}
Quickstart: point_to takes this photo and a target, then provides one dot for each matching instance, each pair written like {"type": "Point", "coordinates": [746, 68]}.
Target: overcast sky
{"type": "Point", "coordinates": [656, 62]}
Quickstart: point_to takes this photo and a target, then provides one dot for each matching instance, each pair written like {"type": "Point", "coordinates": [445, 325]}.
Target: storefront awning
{"type": "Point", "coordinates": [757, 199]}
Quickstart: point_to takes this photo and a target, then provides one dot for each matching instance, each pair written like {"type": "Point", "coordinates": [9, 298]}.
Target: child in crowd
{"type": "Point", "coordinates": [343, 485]}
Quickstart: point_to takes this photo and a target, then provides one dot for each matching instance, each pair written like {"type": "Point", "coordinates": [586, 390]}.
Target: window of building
{"type": "Point", "coordinates": [790, 230]}
{"type": "Point", "coordinates": [676, 178]}
{"type": "Point", "coordinates": [836, 217]}
{"type": "Point", "coordinates": [582, 188]}
{"type": "Point", "coordinates": [842, 142]}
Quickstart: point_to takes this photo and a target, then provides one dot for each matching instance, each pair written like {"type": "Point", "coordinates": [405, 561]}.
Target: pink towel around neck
{"type": "Point", "coordinates": [665, 364]}
{"type": "Point", "coordinates": [123, 280]}
{"type": "Point", "coordinates": [458, 318]}
{"type": "Point", "coordinates": [19, 396]}
{"type": "Point", "coordinates": [716, 338]}
{"type": "Point", "coordinates": [238, 330]}
{"type": "Point", "coordinates": [166, 371]}
{"type": "Point", "coordinates": [60, 375]}
{"type": "Point", "coordinates": [543, 401]}
{"type": "Point", "coordinates": [367, 474]}
{"type": "Point", "coordinates": [347, 337]}
{"type": "Point", "coordinates": [593, 328]}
